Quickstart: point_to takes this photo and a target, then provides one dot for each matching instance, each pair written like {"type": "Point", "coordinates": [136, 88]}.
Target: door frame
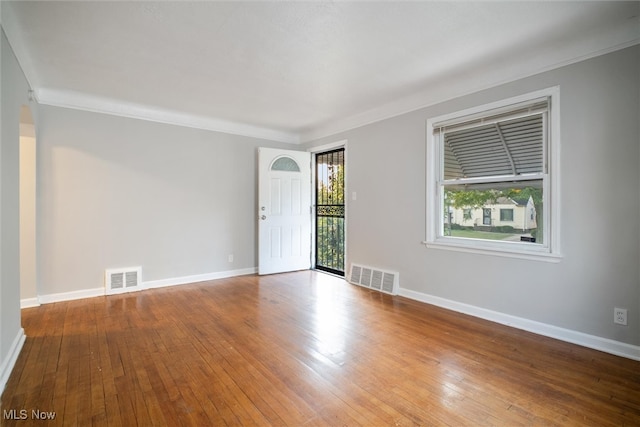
{"type": "Point", "coordinates": [347, 198]}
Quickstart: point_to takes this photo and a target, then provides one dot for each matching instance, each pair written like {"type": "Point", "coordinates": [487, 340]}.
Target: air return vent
{"type": "Point", "coordinates": [119, 280]}
{"type": "Point", "coordinates": [374, 278]}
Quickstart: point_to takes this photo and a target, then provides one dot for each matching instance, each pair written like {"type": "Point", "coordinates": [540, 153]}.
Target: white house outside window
{"type": "Point", "coordinates": [492, 178]}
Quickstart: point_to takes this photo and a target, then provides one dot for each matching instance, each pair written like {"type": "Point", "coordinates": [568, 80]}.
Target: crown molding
{"type": "Point", "coordinates": [11, 30]}
{"type": "Point", "coordinates": [442, 90]}
{"type": "Point", "coordinates": [423, 99]}
{"type": "Point", "coordinates": [96, 104]}
{"type": "Point", "coordinates": [81, 101]}
{"type": "Point", "coordinates": [445, 90]}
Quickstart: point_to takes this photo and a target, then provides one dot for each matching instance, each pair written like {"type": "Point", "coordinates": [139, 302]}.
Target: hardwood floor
{"type": "Point", "coordinates": [301, 349]}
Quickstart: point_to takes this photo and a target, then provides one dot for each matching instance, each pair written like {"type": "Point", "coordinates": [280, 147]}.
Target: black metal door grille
{"type": "Point", "coordinates": [330, 211]}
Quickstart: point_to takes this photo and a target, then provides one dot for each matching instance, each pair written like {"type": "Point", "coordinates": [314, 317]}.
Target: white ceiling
{"type": "Point", "coordinates": [295, 71]}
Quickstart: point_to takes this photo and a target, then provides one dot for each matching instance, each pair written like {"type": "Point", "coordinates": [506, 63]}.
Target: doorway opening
{"type": "Point", "coordinates": [27, 208]}
{"type": "Point", "coordinates": [330, 211]}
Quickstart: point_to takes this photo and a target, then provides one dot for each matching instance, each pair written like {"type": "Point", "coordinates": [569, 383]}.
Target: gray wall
{"type": "Point", "coordinates": [600, 234]}
{"type": "Point", "coordinates": [14, 94]}
{"type": "Point", "coordinates": [116, 192]}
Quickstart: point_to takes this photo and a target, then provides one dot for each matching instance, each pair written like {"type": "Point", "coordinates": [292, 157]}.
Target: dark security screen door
{"type": "Point", "coordinates": [330, 211]}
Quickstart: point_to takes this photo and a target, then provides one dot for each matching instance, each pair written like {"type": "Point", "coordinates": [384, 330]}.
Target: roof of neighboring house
{"type": "Point", "coordinates": [509, 200]}
{"type": "Point", "coordinates": [521, 201]}
{"type": "Point", "coordinates": [503, 201]}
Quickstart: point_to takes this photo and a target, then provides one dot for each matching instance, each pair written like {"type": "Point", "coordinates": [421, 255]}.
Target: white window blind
{"type": "Point", "coordinates": [500, 144]}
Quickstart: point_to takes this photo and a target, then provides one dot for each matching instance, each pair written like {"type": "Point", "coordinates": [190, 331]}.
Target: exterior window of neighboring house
{"type": "Point", "coordinates": [496, 158]}
{"type": "Point", "coordinates": [506, 215]}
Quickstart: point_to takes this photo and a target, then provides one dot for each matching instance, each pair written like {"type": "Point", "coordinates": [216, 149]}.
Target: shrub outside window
{"type": "Point", "coordinates": [492, 179]}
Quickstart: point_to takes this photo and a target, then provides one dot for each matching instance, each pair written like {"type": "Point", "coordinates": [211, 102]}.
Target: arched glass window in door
{"type": "Point", "coordinates": [286, 164]}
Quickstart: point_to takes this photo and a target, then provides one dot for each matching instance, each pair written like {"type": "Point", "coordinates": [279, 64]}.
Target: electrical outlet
{"type": "Point", "coordinates": [230, 258]}
{"type": "Point", "coordinates": [620, 316]}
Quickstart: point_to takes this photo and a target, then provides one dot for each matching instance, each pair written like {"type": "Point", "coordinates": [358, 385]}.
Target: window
{"type": "Point", "coordinates": [285, 164]}
{"type": "Point", "coordinates": [492, 172]}
{"type": "Point", "coordinates": [506, 215]}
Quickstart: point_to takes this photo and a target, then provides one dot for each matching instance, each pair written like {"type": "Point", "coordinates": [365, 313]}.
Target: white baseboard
{"type": "Point", "coordinates": [12, 356]}
{"type": "Point", "coordinates": [197, 278]}
{"type": "Point", "coordinates": [591, 341]}
{"type": "Point", "coordinates": [98, 292]}
{"type": "Point", "coordinates": [69, 296]}
{"type": "Point", "coordinates": [29, 302]}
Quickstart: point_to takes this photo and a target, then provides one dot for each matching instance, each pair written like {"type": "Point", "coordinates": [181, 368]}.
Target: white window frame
{"type": "Point", "coordinates": [549, 250]}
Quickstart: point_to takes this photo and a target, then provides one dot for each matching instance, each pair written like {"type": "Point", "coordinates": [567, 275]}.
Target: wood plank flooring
{"type": "Point", "coordinates": [301, 349]}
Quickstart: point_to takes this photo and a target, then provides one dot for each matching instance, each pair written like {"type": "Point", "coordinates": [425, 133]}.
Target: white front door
{"type": "Point", "coordinates": [284, 210]}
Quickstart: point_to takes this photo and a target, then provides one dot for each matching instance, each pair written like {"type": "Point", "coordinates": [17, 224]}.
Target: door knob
{"type": "Point", "coordinates": [263, 217]}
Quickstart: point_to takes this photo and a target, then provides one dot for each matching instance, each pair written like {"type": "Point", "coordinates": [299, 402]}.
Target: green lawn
{"type": "Point", "coordinates": [472, 234]}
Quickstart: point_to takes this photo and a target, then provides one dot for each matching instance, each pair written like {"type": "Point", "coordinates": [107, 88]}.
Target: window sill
{"type": "Point", "coordinates": [502, 250]}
